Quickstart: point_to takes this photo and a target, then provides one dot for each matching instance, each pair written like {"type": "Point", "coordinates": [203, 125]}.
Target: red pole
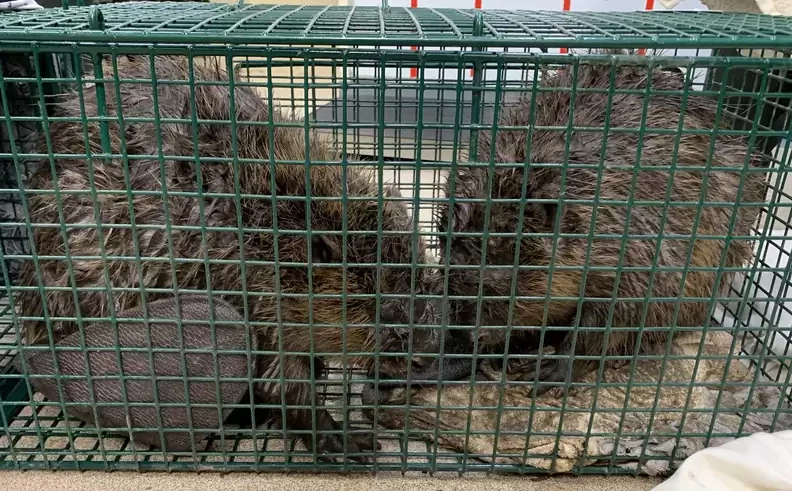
{"type": "Point", "coordinates": [413, 70]}
{"type": "Point", "coordinates": [649, 6]}
{"type": "Point", "coordinates": [567, 7]}
{"type": "Point", "coordinates": [476, 5]}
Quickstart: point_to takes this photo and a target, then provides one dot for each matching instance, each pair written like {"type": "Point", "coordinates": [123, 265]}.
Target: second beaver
{"type": "Point", "coordinates": [631, 240]}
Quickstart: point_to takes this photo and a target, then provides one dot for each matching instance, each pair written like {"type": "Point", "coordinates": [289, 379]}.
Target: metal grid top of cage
{"type": "Point", "coordinates": [199, 22]}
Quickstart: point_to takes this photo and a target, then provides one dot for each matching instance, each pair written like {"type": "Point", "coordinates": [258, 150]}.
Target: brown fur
{"type": "Point", "coordinates": [213, 102]}
{"type": "Point", "coordinates": [585, 147]}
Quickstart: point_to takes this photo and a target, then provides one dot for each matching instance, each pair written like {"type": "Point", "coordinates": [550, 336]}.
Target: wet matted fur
{"type": "Point", "coordinates": [166, 249]}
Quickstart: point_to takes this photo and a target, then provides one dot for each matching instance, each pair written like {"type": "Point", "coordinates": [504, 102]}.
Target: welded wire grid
{"type": "Point", "coordinates": [301, 24]}
{"type": "Point", "coordinates": [19, 136]}
{"type": "Point", "coordinates": [411, 129]}
{"type": "Point", "coordinates": [773, 255]}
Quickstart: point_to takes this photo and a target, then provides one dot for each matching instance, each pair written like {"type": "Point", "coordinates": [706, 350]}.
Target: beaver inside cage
{"type": "Point", "coordinates": [276, 295]}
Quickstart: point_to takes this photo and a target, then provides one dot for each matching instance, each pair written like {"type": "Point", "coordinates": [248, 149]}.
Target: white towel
{"type": "Point", "coordinates": [19, 5]}
{"type": "Point", "coordinates": [770, 7]}
{"type": "Point", "coordinates": [760, 462]}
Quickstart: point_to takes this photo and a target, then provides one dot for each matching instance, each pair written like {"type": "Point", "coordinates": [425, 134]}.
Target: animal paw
{"type": "Point", "coordinates": [333, 443]}
{"type": "Point", "coordinates": [550, 371]}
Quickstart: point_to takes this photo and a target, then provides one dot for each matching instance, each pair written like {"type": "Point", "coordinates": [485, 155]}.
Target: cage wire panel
{"type": "Point", "coordinates": [228, 230]}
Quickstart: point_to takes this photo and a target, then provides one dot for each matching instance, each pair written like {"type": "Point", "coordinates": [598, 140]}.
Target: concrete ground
{"type": "Point", "coordinates": [100, 481]}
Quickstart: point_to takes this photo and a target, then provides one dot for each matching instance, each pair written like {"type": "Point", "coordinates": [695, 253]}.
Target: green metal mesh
{"type": "Point", "coordinates": [346, 70]}
{"type": "Point", "coordinates": [167, 22]}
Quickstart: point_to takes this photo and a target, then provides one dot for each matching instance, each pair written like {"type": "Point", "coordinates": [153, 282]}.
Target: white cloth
{"type": "Point", "coordinates": [19, 5]}
{"type": "Point", "coordinates": [762, 461]}
{"type": "Point", "coordinates": [770, 7]}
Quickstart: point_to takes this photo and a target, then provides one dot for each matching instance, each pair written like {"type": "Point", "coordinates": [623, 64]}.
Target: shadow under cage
{"type": "Point", "coordinates": [254, 238]}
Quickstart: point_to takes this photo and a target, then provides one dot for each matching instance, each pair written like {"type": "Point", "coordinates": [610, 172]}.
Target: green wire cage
{"type": "Point", "coordinates": [229, 230]}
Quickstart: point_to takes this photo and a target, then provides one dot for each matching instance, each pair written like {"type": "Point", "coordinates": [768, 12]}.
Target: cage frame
{"type": "Point", "coordinates": [97, 32]}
